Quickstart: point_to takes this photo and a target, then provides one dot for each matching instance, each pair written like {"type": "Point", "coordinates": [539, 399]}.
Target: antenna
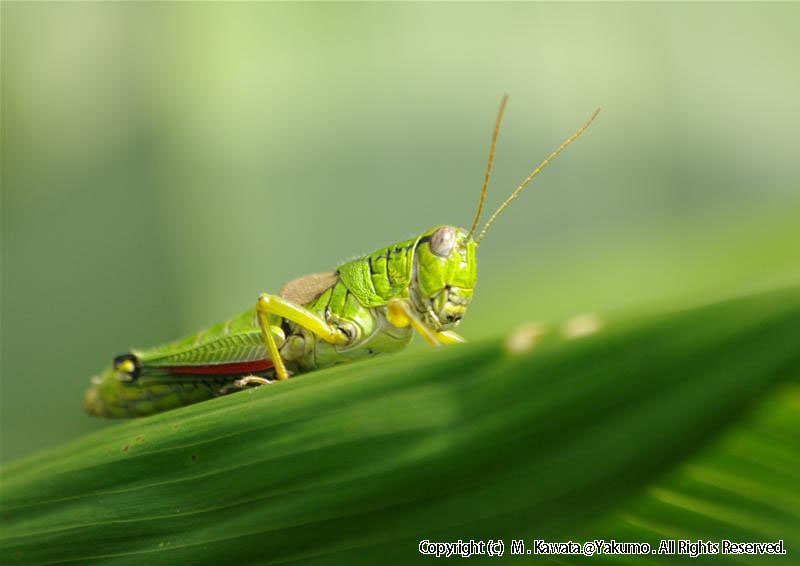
{"type": "Point", "coordinates": [535, 172]}
{"type": "Point", "coordinates": [488, 172]}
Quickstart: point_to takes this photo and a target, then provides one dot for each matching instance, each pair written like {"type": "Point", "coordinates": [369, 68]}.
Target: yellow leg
{"type": "Point", "coordinates": [449, 337]}
{"type": "Point", "coordinates": [273, 304]}
{"type": "Point", "coordinates": [400, 314]}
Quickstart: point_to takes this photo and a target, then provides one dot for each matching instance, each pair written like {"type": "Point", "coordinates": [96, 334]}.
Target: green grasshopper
{"type": "Point", "coordinates": [367, 306]}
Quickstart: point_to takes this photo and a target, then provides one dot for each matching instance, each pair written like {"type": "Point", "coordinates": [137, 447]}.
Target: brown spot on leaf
{"type": "Point", "coordinates": [582, 325]}
{"type": "Point", "coordinates": [523, 339]}
{"type": "Point", "coordinates": [125, 449]}
{"type": "Point", "coordinates": [194, 457]}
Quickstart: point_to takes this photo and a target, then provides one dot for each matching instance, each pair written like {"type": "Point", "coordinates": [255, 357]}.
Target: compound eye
{"type": "Point", "coordinates": [442, 241]}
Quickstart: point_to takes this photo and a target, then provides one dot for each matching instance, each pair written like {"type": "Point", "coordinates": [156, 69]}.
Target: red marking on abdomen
{"type": "Point", "coordinates": [225, 369]}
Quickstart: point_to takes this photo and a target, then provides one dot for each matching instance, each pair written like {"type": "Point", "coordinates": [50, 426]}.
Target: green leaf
{"type": "Point", "coordinates": [676, 425]}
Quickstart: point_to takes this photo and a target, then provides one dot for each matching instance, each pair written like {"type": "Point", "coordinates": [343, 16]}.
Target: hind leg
{"type": "Point", "coordinates": [248, 379]}
{"type": "Point", "coordinates": [243, 383]}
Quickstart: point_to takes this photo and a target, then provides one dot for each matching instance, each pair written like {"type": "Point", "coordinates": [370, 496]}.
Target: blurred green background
{"type": "Point", "coordinates": [162, 164]}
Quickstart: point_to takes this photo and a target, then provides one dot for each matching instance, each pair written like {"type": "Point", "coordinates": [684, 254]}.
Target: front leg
{"type": "Point", "coordinates": [274, 304]}
{"type": "Point", "coordinates": [400, 314]}
{"type": "Point", "coordinates": [450, 337]}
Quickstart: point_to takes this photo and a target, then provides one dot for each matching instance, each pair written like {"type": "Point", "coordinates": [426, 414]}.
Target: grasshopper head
{"type": "Point", "coordinates": [444, 268]}
{"type": "Point", "coordinates": [445, 275]}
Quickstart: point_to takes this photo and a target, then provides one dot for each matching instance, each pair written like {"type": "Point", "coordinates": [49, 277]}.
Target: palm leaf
{"type": "Point", "coordinates": [677, 425]}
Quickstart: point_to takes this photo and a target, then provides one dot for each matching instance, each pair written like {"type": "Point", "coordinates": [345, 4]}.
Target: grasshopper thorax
{"type": "Point", "coordinates": [444, 275]}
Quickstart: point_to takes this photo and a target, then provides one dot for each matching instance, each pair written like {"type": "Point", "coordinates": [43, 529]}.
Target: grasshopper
{"type": "Point", "coordinates": [368, 306]}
